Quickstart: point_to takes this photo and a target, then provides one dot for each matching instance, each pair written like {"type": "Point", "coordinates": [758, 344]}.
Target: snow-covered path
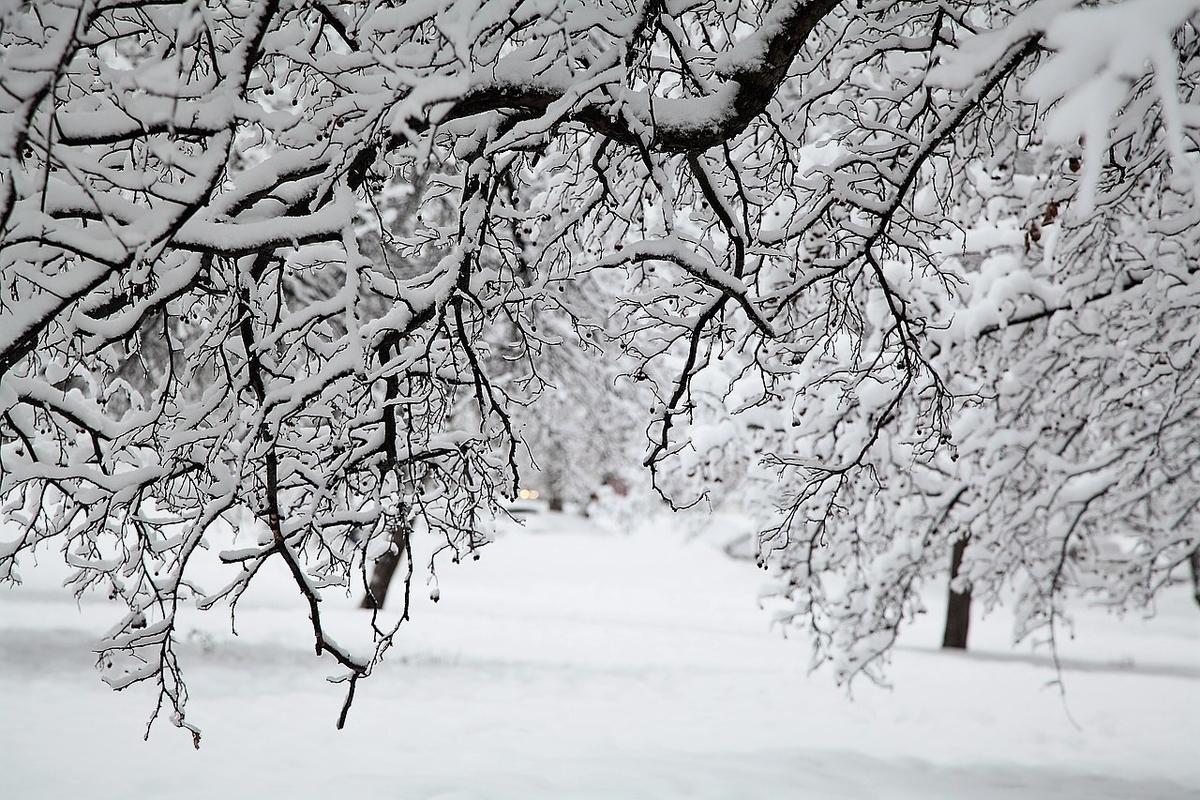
{"type": "Point", "coordinates": [576, 665]}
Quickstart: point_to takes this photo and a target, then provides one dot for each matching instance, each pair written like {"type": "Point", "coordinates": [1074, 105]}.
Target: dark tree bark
{"type": "Point", "coordinates": [958, 604]}
{"type": "Point", "coordinates": [386, 564]}
{"type": "Point", "coordinates": [1194, 561]}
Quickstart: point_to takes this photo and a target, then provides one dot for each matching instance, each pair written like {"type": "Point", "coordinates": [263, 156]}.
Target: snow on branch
{"type": "Point", "coordinates": [292, 281]}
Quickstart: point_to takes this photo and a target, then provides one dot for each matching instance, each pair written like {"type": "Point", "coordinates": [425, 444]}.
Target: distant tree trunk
{"type": "Point", "coordinates": [958, 604]}
{"type": "Point", "coordinates": [386, 564]}
{"type": "Point", "coordinates": [1194, 561]}
{"type": "Point", "coordinates": [554, 487]}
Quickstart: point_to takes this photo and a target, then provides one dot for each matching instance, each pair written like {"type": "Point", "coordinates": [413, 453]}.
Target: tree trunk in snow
{"type": "Point", "coordinates": [1194, 561]}
{"type": "Point", "coordinates": [554, 485]}
{"type": "Point", "coordinates": [958, 604]}
{"type": "Point", "coordinates": [386, 564]}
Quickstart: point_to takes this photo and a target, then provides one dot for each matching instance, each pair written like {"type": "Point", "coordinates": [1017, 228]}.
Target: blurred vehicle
{"type": "Point", "coordinates": [528, 502]}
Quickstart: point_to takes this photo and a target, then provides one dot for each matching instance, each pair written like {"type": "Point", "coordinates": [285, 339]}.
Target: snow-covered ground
{"type": "Point", "coordinates": [567, 663]}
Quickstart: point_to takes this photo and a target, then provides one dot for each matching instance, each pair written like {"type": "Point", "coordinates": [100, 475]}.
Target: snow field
{"type": "Point", "coordinates": [571, 664]}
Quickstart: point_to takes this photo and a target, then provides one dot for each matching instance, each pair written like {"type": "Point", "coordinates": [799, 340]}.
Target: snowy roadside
{"type": "Point", "coordinates": [577, 665]}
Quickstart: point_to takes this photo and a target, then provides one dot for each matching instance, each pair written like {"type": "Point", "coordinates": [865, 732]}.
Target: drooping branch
{"type": "Point", "coordinates": [750, 77]}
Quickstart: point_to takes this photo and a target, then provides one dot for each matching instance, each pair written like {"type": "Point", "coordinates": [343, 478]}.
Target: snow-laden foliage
{"type": "Point", "coordinates": [305, 268]}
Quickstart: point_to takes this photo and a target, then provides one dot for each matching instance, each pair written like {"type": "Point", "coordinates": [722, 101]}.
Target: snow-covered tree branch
{"type": "Point", "coordinates": [300, 273]}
